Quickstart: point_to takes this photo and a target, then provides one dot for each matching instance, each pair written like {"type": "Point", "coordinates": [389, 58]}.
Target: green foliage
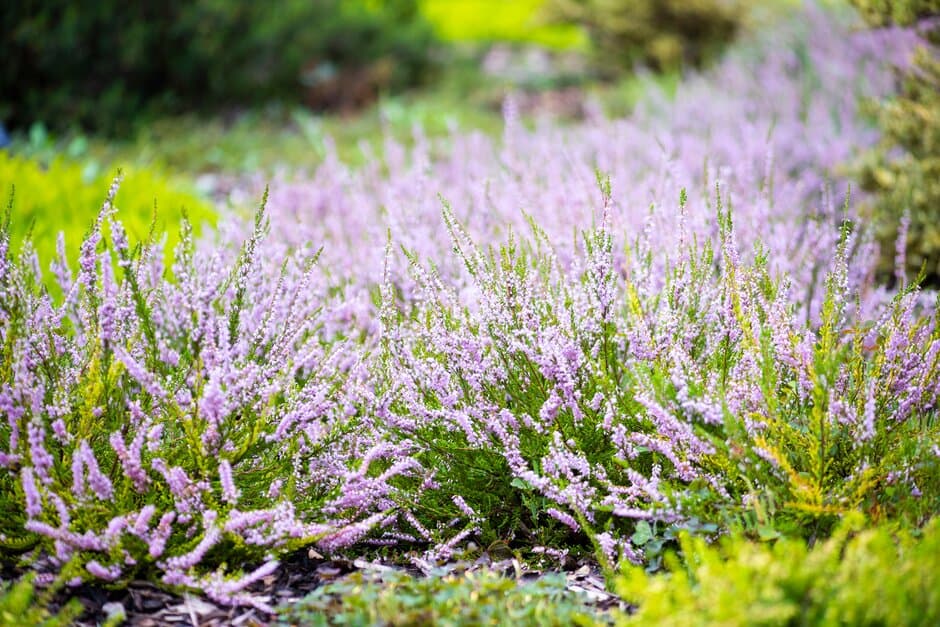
{"type": "Point", "coordinates": [497, 20]}
{"type": "Point", "coordinates": [909, 183]}
{"type": "Point", "coordinates": [481, 598]}
{"type": "Point", "coordinates": [105, 65]}
{"type": "Point", "coordinates": [20, 605]}
{"type": "Point", "coordinates": [792, 465]}
{"type": "Point", "coordinates": [882, 12]}
{"type": "Point", "coordinates": [107, 395]}
{"type": "Point", "coordinates": [874, 576]}
{"type": "Point", "coordinates": [663, 33]}
{"type": "Point", "coordinates": [60, 197]}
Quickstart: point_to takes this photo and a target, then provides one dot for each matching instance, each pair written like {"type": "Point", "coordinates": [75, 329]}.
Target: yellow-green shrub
{"type": "Point", "coordinates": [59, 197]}
{"type": "Point", "coordinates": [663, 33]}
{"type": "Point", "coordinates": [876, 576]}
{"type": "Point", "coordinates": [911, 122]}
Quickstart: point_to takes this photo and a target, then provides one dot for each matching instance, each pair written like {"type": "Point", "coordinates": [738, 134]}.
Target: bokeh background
{"type": "Point", "coordinates": [187, 97]}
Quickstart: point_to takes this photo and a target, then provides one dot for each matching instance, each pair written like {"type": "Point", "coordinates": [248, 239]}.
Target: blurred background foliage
{"type": "Point", "coordinates": [664, 34]}
{"type": "Point", "coordinates": [183, 94]}
{"type": "Point", "coordinates": [109, 67]}
{"type": "Point", "coordinates": [104, 65]}
{"type": "Point", "coordinates": [519, 21]}
{"type": "Point", "coordinates": [904, 171]}
{"type": "Point", "coordinates": [63, 196]}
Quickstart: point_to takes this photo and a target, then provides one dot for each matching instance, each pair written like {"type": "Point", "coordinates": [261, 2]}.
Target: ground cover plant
{"type": "Point", "coordinates": [482, 598]}
{"type": "Point", "coordinates": [608, 340]}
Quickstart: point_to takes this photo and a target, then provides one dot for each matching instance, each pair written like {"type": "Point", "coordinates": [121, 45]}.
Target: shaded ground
{"type": "Point", "coordinates": [146, 605]}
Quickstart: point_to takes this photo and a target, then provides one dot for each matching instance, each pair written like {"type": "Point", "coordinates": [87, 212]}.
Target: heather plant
{"type": "Point", "coordinates": [773, 132]}
{"type": "Point", "coordinates": [547, 367]}
{"type": "Point", "coordinates": [565, 404]}
{"type": "Point", "coordinates": [183, 430]}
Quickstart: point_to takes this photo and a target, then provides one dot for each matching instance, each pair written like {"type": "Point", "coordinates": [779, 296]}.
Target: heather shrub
{"type": "Point", "coordinates": [859, 576]}
{"type": "Point", "coordinates": [548, 367]}
{"type": "Point", "coordinates": [168, 429]}
{"type": "Point", "coordinates": [797, 82]}
{"type": "Point", "coordinates": [562, 405]}
{"type": "Point", "coordinates": [58, 198]}
{"type": "Point", "coordinates": [904, 169]}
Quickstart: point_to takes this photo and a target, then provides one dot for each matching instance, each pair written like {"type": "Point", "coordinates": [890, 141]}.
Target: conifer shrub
{"type": "Point", "coordinates": [480, 598]}
{"type": "Point", "coordinates": [665, 34]}
{"type": "Point", "coordinates": [21, 605]}
{"type": "Point", "coordinates": [904, 171]}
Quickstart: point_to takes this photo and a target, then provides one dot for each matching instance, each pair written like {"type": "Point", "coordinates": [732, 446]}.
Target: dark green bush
{"type": "Point", "coordinates": [100, 64]}
{"type": "Point", "coordinates": [910, 122]}
{"type": "Point", "coordinates": [662, 33]}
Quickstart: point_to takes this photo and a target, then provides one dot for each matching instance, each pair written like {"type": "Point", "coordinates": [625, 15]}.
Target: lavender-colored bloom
{"type": "Point", "coordinates": [563, 518]}
{"type": "Point", "coordinates": [33, 500]}
{"type": "Point", "coordinates": [109, 573]}
{"type": "Point", "coordinates": [230, 493]}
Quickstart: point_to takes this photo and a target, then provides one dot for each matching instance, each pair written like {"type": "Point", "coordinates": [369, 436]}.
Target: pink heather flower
{"type": "Point", "coordinates": [130, 459]}
{"type": "Point", "coordinates": [42, 460]}
{"type": "Point", "coordinates": [83, 460]}
{"type": "Point", "coordinates": [350, 534]}
{"type": "Point", "coordinates": [446, 550]}
{"type": "Point", "coordinates": [559, 555]}
{"type": "Point", "coordinates": [210, 538]}
{"type": "Point", "coordinates": [562, 517]}
{"type": "Point", "coordinates": [867, 426]}
{"type": "Point", "coordinates": [142, 522]}
{"type": "Point", "coordinates": [33, 500]}
{"type": "Point", "coordinates": [139, 373]}
{"type": "Point", "coordinates": [109, 573]}
{"type": "Point", "coordinates": [161, 534]}
{"type": "Point", "coordinates": [229, 492]}
{"type": "Point", "coordinates": [60, 432]}
{"type": "Point", "coordinates": [463, 507]}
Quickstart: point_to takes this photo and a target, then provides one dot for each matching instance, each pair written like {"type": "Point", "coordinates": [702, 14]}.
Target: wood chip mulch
{"type": "Point", "coordinates": [146, 605]}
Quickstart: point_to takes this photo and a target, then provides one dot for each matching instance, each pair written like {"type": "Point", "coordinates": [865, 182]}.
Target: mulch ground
{"type": "Point", "coordinates": [146, 605]}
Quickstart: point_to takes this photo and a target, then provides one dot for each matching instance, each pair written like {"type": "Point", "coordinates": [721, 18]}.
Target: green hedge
{"type": "Point", "coordinates": [102, 64]}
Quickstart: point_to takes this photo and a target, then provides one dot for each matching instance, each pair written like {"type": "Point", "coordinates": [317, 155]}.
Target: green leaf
{"type": "Point", "coordinates": [642, 534]}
